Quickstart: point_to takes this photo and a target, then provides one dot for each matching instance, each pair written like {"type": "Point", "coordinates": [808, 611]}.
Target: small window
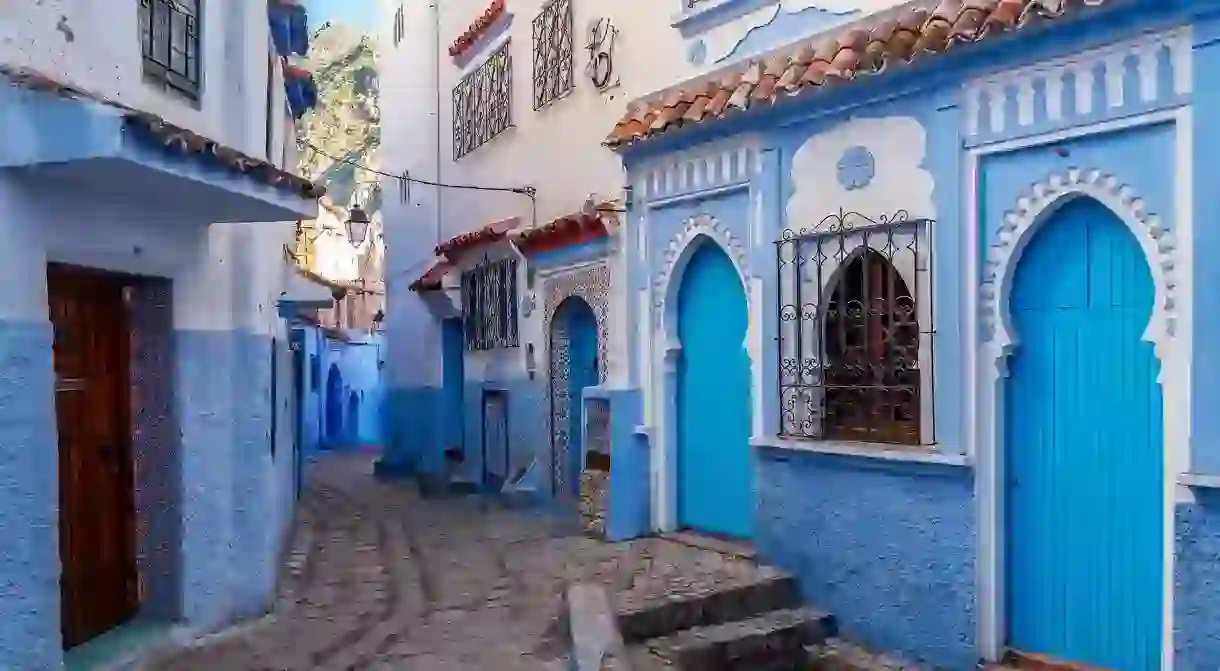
{"type": "Point", "coordinates": [400, 26]}
{"type": "Point", "coordinates": [489, 305]}
{"type": "Point", "coordinates": [553, 67]}
{"type": "Point", "coordinates": [169, 41]}
{"type": "Point", "coordinates": [855, 338]}
{"type": "Point", "coordinates": [482, 103]}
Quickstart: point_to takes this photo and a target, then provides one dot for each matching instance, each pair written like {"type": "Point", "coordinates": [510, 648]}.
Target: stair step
{"type": "Point", "coordinates": [772, 641]}
{"type": "Point", "coordinates": [835, 654]}
{"type": "Point", "coordinates": [657, 618]}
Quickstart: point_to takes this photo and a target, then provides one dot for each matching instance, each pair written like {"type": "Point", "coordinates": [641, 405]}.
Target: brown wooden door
{"type": "Point", "coordinates": [96, 498]}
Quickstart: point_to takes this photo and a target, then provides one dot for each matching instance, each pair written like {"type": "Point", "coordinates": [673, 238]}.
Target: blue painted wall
{"type": "Point", "coordinates": [206, 454]}
{"type": "Point", "coordinates": [29, 563]}
{"type": "Point", "coordinates": [888, 548]}
{"type": "Point", "coordinates": [1196, 611]}
{"type": "Point", "coordinates": [358, 364]}
{"type": "Point", "coordinates": [868, 536]}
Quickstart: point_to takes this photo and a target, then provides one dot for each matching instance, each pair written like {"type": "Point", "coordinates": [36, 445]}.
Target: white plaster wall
{"type": "Point", "coordinates": [557, 149]}
{"type": "Point", "coordinates": [95, 45]}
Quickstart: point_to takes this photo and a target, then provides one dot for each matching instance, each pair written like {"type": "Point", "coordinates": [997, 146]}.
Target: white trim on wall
{"type": "Point", "coordinates": [677, 252]}
{"type": "Point", "coordinates": [1170, 263]}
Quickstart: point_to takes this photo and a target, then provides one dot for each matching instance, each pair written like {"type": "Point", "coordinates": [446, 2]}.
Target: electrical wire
{"type": "Point", "coordinates": [527, 191]}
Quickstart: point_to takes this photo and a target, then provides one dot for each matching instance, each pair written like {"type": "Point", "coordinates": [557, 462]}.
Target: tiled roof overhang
{"type": "Point", "coordinates": [161, 132]}
{"type": "Point", "coordinates": [476, 29]}
{"type": "Point", "coordinates": [432, 277]}
{"type": "Point", "coordinates": [573, 229]}
{"type": "Point", "coordinates": [491, 233]}
{"type": "Point", "coordinates": [912, 34]}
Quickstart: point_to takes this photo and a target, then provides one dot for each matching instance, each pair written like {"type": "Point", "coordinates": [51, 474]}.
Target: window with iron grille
{"type": "Point", "coordinates": [489, 305]}
{"type": "Point", "coordinates": [169, 40]}
{"type": "Point", "coordinates": [554, 75]}
{"type": "Point", "coordinates": [482, 103]}
{"type": "Point", "coordinates": [855, 343]}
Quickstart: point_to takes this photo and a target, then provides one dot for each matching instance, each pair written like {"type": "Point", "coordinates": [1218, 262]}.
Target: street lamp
{"type": "Point", "coordinates": [357, 225]}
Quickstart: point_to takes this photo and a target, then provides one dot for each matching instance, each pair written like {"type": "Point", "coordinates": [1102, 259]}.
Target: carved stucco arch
{"type": "Point", "coordinates": [591, 284]}
{"type": "Point", "coordinates": [678, 251]}
{"type": "Point", "coordinates": [1035, 208]}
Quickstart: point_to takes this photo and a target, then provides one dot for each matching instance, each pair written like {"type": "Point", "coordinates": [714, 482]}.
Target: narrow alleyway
{"type": "Point", "coordinates": [378, 577]}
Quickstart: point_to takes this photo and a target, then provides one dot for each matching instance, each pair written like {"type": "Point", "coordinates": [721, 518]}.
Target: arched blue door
{"type": "Point", "coordinates": [334, 404]}
{"type": "Point", "coordinates": [575, 323]}
{"type": "Point", "coordinates": [1084, 447]}
{"type": "Point", "coordinates": [715, 468]}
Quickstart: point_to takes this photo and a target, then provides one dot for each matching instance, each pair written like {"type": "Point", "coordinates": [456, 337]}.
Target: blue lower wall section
{"type": "Point", "coordinates": [888, 548]}
{"type": "Point", "coordinates": [254, 501]}
{"type": "Point", "coordinates": [527, 411]}
{"type": "Point", "coordinates": [29, 558]}
{"type": "Point", "coordinates": [229, 545]}
{"type": "Point", "coordinates": [1197, 584]}
{"type": "Point", "coordinates": [412, 419]}
{"type": "Point", "coordinates": [204, 376]}
{"type": "Point", "coordinates": [630, 511]}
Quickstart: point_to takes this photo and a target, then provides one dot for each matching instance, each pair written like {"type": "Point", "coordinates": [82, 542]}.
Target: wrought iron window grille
{"type": "Point", "coordinates": [554, 72]}
{"type": "Point", "coordinates": [482, 103]}
{"type": "Point", "coordinates": [169, 42]}
{"type": "Point", "coordinates": [489, 305]}
{"type": "Point", "coordinates": [855, 343]}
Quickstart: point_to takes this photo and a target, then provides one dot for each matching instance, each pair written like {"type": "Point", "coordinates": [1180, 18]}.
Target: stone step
{"type": "Point", "coordinates": [772, 641]}
{"type": "Point", "coordinates": [658, 618]}
{"type": "Point", "coordinates": [835, 654]}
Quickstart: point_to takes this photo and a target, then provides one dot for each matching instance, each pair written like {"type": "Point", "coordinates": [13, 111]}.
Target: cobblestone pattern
{"type": "Point", "coordinates": [594, 495]}
{"type": "Point", "coordinates": [379, 578]}
{"type": "Point", "coordinates": [839, 655]}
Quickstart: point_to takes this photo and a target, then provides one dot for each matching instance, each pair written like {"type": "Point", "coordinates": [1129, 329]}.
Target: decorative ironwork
{"type": "Point", "coordinates": [169, 41]}
{"type": "Point", "coordinates": [602, 37]}
{"type": "Point", "coordinates": [489, 305]}
{"type": "Point", "coordinates": [553, 62]}
{"type": "Point", "coordinates": [855, 347]}
{"type": "Point", "coordinates": [482, 103]}
{"type": "Point", "coordinates": [591, 284]}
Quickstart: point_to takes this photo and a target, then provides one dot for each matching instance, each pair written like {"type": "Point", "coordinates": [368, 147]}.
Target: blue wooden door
{"type": "Point", "coordinates": [581, 328]}
{"type": "Point", "coordinates": [715, 469]}
{"type": "Point", "coordinates": [495, 439]}
{"type": "Point", "coordinates": [1084, 448]}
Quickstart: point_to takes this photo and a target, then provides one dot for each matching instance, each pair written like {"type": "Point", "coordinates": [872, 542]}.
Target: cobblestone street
{"type": "Point", "coordinates": [379, 578]}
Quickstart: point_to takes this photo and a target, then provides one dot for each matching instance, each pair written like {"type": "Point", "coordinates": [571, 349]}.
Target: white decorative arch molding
{"type": "Point", "coordinates": [676, 252]}
{"type": "Point", "coordinates": [998, 340]}
{"type": "Point", "coordinates": [664, 383]}
{"type": "Point", "coordinates": [1036, 207]}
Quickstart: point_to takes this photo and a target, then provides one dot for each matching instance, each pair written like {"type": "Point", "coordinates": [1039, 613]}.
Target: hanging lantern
{"type": "Point", "coordinates": [357, 226]}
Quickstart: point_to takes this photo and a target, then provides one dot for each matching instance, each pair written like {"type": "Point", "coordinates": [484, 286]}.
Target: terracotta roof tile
{"type": "Point", "coordinates": [176, 138]}
{"type": "Point", "coordinates": [476, 29]}
{"type": "Point", "coordinates": [493, 232]}
{"type": "Point", "coordinates": [432, 277]}
{"type": "Point", "coordinates": [915, 33]}
{"type": "Point", "coordinates": [572, 229]}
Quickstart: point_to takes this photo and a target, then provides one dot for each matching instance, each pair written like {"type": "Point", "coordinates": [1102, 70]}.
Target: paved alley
{"type": "Point", "coordinates": [379, 578]}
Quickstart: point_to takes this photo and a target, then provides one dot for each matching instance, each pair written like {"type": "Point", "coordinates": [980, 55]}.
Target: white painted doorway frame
{"type": "Point", "coordinates": [986, 359]}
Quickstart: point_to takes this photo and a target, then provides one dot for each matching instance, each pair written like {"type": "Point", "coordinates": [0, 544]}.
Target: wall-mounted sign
{"type": "Point", "coordinates": [601, 71]}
